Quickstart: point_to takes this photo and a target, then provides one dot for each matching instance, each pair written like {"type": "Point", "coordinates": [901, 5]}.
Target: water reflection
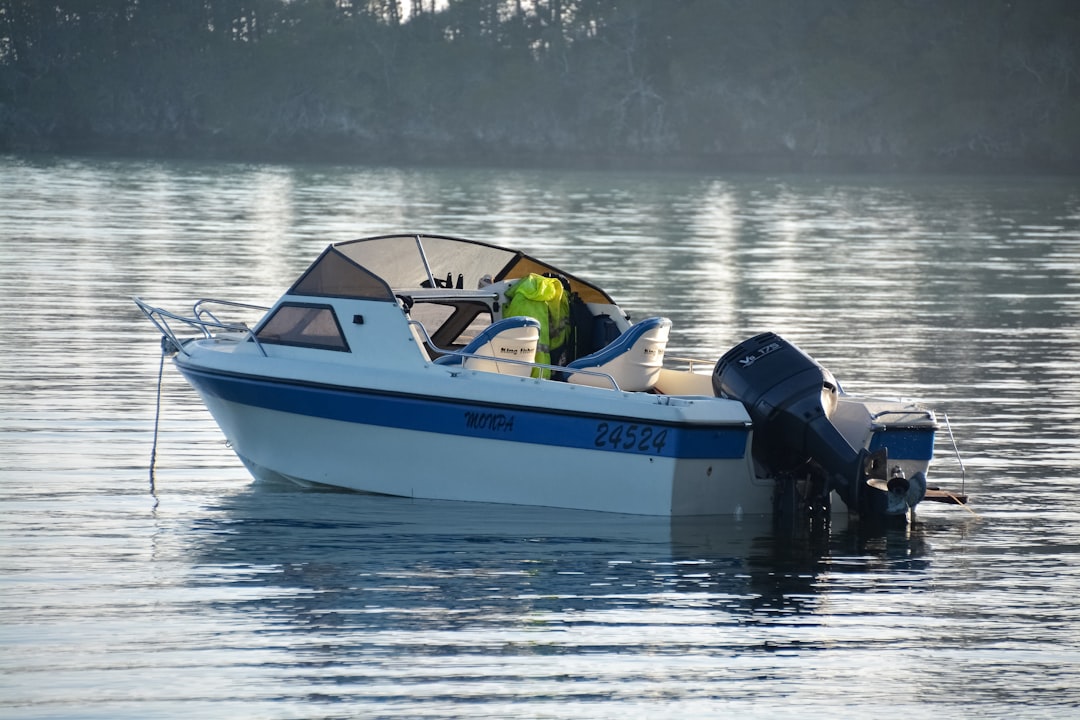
{"type": "Point", "coordinates": [348, 562]}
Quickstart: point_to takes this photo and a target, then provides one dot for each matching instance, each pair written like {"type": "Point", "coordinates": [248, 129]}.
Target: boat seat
{"type": "Point", "coordinates": [633, 359]}
{"type": "Point", "coordinates": [512, 338]}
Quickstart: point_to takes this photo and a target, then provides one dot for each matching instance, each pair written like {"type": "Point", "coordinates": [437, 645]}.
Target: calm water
{"type": "Point", "coordinates": [210, 595]}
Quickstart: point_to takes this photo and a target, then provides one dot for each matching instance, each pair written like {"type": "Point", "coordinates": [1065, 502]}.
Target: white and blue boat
{"type": "Point", "coordinates": [402, 365]}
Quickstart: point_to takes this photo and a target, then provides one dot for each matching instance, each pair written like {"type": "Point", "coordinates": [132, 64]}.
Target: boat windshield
{"type": "Point", "coordinates": [376, 268]}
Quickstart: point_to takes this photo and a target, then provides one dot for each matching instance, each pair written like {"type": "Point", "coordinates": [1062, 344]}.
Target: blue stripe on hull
{"type": "Point", "coordinates": [457, 417]}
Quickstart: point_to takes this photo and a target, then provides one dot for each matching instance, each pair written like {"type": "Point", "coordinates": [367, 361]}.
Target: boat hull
{"type": "Point", "coordinates": [446, 449]}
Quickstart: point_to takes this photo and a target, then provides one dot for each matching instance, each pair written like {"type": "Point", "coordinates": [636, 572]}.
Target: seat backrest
{"type": "Point", "coordinates": [512, 338]}
{"type": "Point", "coordinates": [633, 359]}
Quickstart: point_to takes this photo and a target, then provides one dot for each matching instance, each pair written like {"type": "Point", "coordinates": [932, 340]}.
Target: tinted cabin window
{"type": "Point", "coordinates": [312, 326]}
{"type": "Point", "coordinates": [335, 275]}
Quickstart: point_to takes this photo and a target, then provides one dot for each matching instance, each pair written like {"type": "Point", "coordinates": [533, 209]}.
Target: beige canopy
{"type": "Point", "coordinates": [376, 268]}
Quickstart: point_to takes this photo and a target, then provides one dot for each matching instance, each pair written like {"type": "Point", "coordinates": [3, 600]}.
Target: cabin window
{"type": "Point", "coordinates": [303, 325]}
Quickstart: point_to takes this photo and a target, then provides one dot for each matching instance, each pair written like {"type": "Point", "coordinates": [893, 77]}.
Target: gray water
{"type": "Point", "coordinates": [206, 594]}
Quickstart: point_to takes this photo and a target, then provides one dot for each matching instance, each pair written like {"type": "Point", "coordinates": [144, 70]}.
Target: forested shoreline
{"type": "Point", "coordinates": [787, 85]}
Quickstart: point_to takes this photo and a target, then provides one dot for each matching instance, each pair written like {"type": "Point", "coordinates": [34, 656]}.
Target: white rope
{"type": "Point", "coordinates": [157, 420]}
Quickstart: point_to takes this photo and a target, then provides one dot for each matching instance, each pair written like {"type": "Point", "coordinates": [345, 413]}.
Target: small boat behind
{"type": "Point", "coordinates": [434, 367]}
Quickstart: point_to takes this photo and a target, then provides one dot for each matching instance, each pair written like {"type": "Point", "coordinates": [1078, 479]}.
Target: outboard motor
{"type": "Point", "coordinates": [790, 397]}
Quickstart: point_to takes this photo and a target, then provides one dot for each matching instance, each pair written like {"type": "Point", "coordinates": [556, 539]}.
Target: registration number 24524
{"type": "Point", "coordinates": [622, 436]}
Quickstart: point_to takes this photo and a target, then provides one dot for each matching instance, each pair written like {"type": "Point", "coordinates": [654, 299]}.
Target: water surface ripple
{"type": "Point", "coordinates": [216, 596]}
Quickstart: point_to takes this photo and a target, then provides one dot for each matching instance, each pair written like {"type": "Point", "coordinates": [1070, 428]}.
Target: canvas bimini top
{"type": "Point", "coordinates": [375, 268]}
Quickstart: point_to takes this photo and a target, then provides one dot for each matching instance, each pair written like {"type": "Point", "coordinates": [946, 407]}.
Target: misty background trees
{"type": "Point", "coordinates": [755, 84]}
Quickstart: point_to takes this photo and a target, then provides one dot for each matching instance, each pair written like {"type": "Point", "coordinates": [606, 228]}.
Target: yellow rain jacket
{"type": "Point", "coordinates": [544, 299]}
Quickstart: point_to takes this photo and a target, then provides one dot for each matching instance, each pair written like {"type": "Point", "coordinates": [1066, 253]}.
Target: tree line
{"type": "Point", "coordinates": [969, 85]}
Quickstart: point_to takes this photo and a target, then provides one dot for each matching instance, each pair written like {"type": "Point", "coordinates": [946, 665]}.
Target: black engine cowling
{"type": "Point", "coordinates": [790, 397]}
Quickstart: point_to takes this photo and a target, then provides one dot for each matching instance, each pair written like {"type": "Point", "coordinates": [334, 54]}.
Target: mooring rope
{"type": "Point", "coordinates": [157, 421]}
{"type": "Point", "coordinates": [962, 504]}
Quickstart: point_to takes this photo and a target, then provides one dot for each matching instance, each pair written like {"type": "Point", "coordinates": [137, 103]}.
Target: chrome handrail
{"type": "Point", "coordinates": [690, 362]}
{"type": "Point", "coordinates": [956, 451]}
{"type": "Point", "coordinates": [160, 317]}
{"type": "Point", "coordinates": [198, 310]}
{"type": "Point", "coordinates": [463, 355]}
{"type": "Point", "coordinates": [913, 410]}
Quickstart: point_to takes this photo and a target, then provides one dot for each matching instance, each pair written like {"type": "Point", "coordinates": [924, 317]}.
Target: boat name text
{"type": "Point", "coordinates": [497, 422]}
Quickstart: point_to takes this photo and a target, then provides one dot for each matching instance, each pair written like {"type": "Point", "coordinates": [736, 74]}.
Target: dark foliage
{"type": "Point", "coordinates": [756, 84]}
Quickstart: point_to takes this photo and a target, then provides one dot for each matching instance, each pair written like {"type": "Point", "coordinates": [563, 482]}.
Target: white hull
{"type": "Point", "coordinates": [437, 466]}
